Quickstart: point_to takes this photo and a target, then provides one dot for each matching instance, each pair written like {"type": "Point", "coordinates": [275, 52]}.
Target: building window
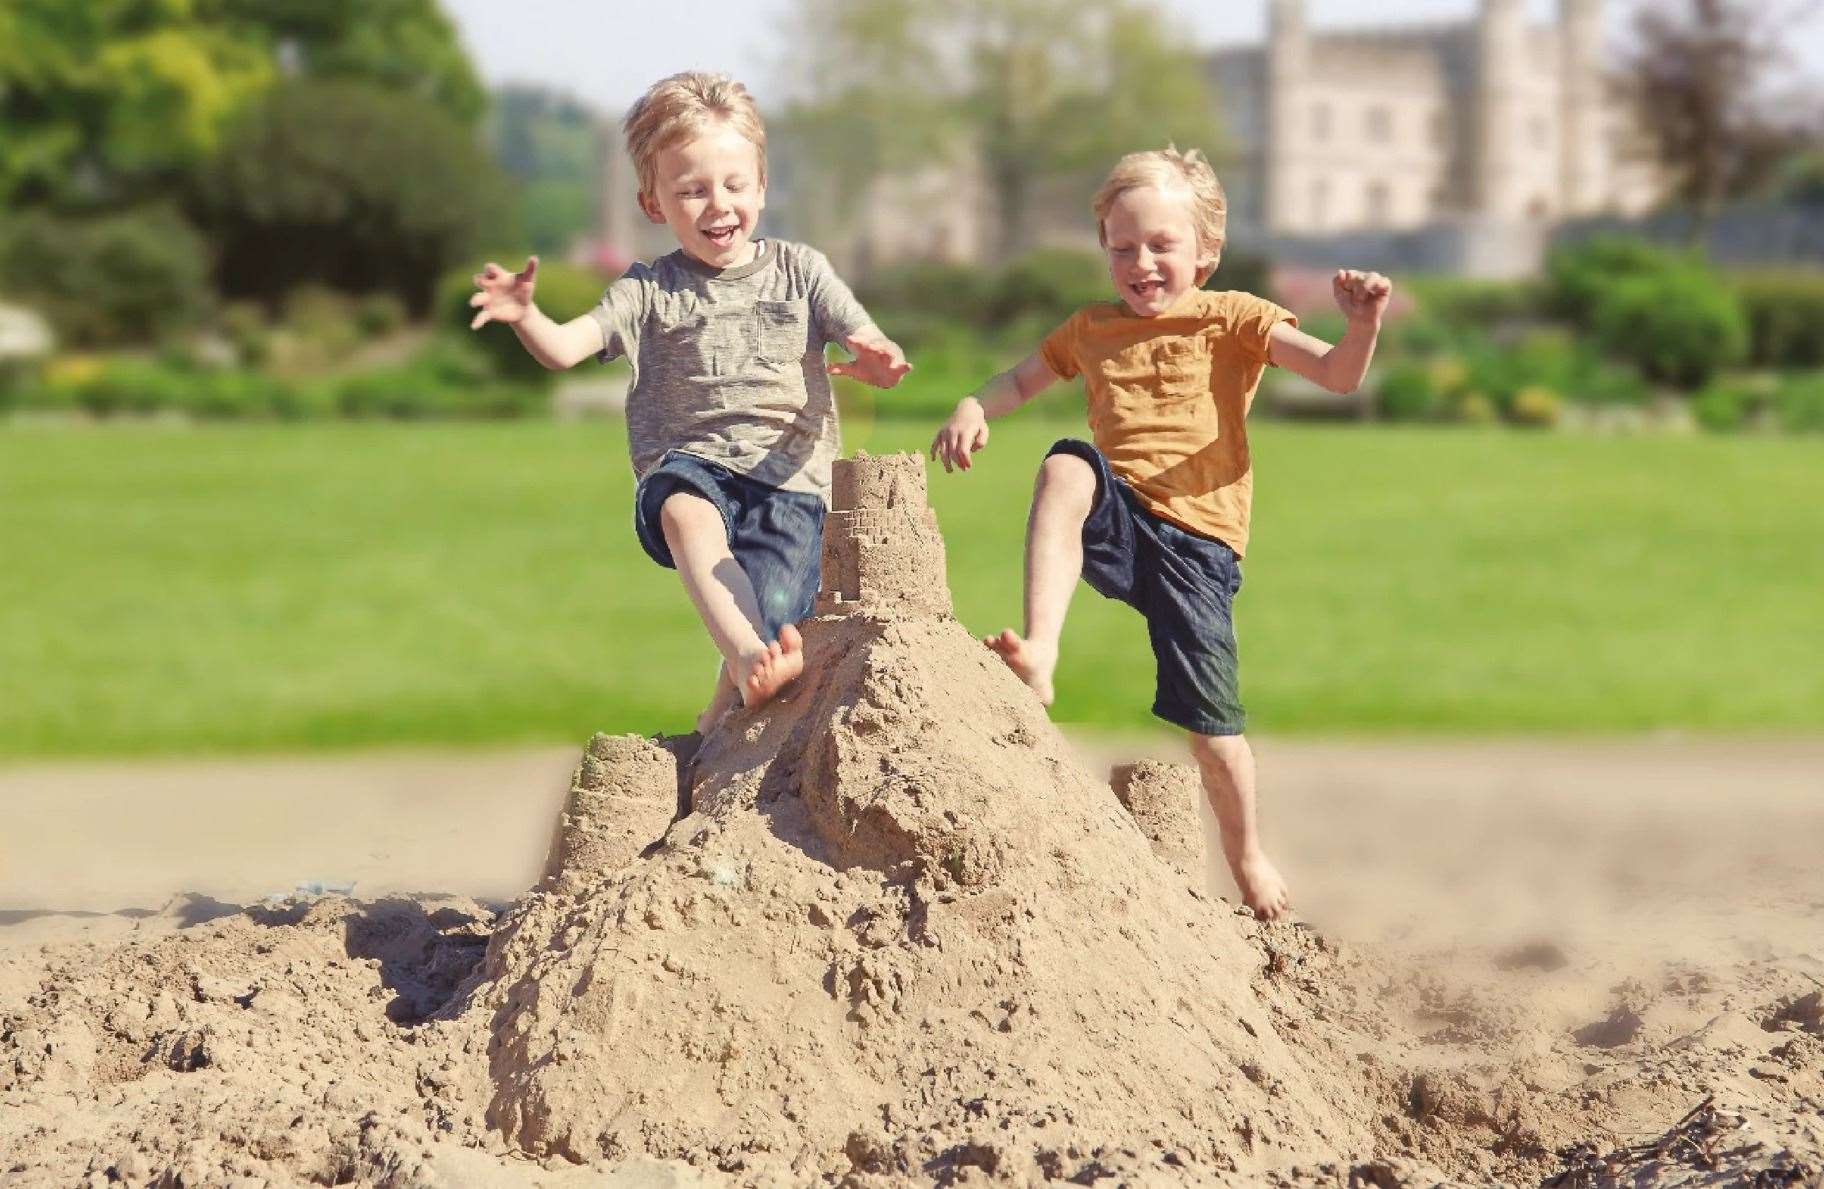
{"type": "Point", "coordinates": [1320, 203]}
{"type": "Point", "coordinates": [1380, 125]}
{"type": "Point", "coordinates": [1320, 122]}
{"type": "Point", "coordinates": [1380, 204]}
{"type": "Point", "coordinates": [1440, 129]}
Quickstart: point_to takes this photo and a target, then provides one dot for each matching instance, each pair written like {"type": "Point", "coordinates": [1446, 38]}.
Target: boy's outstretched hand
{"type": "Point", "coordinates": [1362, 296]}
{"type": "Point", "coordinates": [962, 435]}
{"type": "Point", "coordinates": [505, 296]}
{"type": "Point", "coordinates": [878, 360]}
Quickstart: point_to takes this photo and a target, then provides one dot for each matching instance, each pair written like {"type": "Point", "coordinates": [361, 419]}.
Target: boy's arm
{"type": "Point", "coordinates": [506, 297]}
{"type": "Point", "coordinates": [1363, 299]}
{"type": "Point", "coordinates": [967, 430]}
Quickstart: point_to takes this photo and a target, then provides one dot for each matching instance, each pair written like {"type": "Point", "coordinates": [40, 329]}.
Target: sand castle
{"type": "Point", "coordinates": [882, 553]}
{"type": "Point", "coordinates": [884, 930]}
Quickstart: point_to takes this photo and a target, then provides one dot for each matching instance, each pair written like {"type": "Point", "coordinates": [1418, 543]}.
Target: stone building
{"type": "Point", "coordinates": [1398, 127]}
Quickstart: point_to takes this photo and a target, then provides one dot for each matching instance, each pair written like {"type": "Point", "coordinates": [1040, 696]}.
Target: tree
{"type": "Point", "coordinates": [350, 185]}
{"type": "Point", "coordinates": [106, 103]}
{"type": "Point", "coordinates": [1701, 73]}
{"type": "Point", "coordinates": [550, 144]}
{"type": "Point", "coordinates": [1035, 89]}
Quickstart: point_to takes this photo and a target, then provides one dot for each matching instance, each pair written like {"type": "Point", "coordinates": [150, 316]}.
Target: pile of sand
{"type": "Point", "coordinates": [883, 930]}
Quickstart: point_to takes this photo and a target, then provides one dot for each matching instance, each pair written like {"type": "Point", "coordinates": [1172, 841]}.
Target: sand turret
{"type": "Point", "coordinates": [882, 553]}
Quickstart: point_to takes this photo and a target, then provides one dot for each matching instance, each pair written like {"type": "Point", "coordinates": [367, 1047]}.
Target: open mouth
{"type": "Point", "coordinates": [722, 237]}
{"type": "Point", "coordinates": [1146, 290]}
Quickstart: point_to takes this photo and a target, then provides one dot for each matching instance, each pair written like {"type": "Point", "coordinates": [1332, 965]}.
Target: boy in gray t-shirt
{"type": "Point", "coordinates": [730, 418]}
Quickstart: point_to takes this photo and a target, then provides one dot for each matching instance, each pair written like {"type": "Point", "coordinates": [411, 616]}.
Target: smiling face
{"type": "Point", "coordinates": [710, 193]}
{"type": "Point", "coordinates": [1153, 254]}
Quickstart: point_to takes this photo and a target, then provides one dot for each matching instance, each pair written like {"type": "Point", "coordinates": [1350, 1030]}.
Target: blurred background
{"type": "Point", "coordinates": [262, 491]}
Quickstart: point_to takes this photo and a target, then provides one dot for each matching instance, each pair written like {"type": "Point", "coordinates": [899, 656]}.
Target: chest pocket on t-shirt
{"type": "Point", "coordinates": [781, 331]}
{"type": "Point", "coordinates": [1183, 368]}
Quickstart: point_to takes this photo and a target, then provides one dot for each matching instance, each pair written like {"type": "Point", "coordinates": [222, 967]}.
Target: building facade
{"type": "Point", "coordinates": [1492, 117]}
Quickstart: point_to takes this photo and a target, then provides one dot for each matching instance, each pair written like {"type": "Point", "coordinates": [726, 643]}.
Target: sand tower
{"type": "Point", "coordinates": [882, 553]}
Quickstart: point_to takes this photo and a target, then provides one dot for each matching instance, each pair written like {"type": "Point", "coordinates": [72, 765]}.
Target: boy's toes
{"type": "Point", "coordinates": [775, 669]}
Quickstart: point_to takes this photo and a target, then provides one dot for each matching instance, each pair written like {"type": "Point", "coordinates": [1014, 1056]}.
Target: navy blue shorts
{"type": "Point", "coordinates": [1183, 583]}
{"type": "Point", "coordinates": [775, 535]}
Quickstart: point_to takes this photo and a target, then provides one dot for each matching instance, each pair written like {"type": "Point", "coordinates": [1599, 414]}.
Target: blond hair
{"type": "Point", "coordinates": [1169, 169]}
{"type": "Point", "coordinates": [682, 106]}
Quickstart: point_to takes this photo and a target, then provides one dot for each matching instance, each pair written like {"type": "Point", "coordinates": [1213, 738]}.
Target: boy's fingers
{"type": "Point", "coordinates": [478, 299]}
{"type": "Point", "coordinates": [480, 320]}
{"type": "Point", "coordinates": [531, 268]}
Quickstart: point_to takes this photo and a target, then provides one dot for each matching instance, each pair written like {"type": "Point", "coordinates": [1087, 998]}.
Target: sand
{"type": "Point", "coordinates": [892, 929]}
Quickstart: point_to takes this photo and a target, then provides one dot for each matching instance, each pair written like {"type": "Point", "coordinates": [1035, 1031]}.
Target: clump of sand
{"type": "Point", "coordinates": [883, 930]}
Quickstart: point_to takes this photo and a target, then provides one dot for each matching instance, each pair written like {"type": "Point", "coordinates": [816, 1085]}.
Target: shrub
{"type": "Point", "coordinates": [1536, 406]}
{"type": "Point", "coordinates": [1246, 271]}
{"type": "Point", "coordinates": [1613, 384]}
{"type": "Point", "coordinates": [1799, 403]}
{"type": "Point", "coordinates": [379, 314]}
{"type": "Point", "coordinates": [927, 292]}
{"type": "Point", "coordinates": [125, 279]}
{"type": "Point", "coordinates": [1463, 301]}
{"type": "Point", "coordinates": [1474, 408]}
{"type": "Point", "coordinates": [1785, 311]}
{"type": "Point", "coordinates": [130, 385]}
{"type": "Point", "coordinates": [448, 378]}
{"type": "Point", "coordinates": [1408, 392]}
{"type": "Point", "coordinates": [1577, 275]}
{"type": "Point", "coordinates": [1679, 327]}
{"type": "Point", "coordinates": [1725, 405]}
{"type": "Point", "coordinates": [1051, 284]}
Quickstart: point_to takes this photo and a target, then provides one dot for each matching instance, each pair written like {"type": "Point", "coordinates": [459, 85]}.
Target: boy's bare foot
{"type": "Point", "coordinates": [1030, 661]}
{"type": "Point", "coordinates": [761, 676]}
{"type": "Point", "coordinates": [1263, 889]}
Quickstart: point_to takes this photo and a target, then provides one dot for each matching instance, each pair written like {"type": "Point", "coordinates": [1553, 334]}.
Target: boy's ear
{"type": "Point", "coordinates": [651, 207]}
{"type": "Point", "coordinates": [1208, 264]}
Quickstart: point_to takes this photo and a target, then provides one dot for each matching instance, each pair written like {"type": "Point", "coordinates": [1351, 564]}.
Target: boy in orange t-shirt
{"type": "Point", "coordinates": [1156, 512]}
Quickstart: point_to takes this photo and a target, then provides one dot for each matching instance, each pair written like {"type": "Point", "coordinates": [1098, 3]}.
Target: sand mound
{"type": "Point", "coordinates": [881, 941]}
{"type": "Point", "coordinates": [884, 930]}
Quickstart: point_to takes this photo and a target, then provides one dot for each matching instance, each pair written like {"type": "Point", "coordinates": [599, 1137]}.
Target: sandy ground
{"type": "Point", "coordinates": [1683, 848]}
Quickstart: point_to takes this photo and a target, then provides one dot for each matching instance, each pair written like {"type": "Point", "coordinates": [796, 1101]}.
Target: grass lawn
{"type": "Point", "coordinates": [182, 590]}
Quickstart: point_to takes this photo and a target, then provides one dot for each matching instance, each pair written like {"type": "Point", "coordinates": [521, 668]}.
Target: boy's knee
{"type": "Point", "coordinates": [1067, 477]}
{"type": "Point", "coordinates": [1226, 750]}
{"type": "Point", "coordinates": [686, 511]}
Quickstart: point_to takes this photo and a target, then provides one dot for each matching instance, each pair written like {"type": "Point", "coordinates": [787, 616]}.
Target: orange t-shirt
{"type": "Point", "coordinates": [1169, 397]}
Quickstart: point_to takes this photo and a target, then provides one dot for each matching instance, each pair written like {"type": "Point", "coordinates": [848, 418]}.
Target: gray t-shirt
{"type": "Point", "coordinates": [729, 365]}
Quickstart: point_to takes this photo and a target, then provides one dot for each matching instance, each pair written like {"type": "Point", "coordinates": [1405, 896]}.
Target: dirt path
{"type": "Point", "coordinates": [1677, 844]}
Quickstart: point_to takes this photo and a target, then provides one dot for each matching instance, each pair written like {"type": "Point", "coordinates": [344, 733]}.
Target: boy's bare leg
{"type": "Point", "coordinates": [1061, 502]}
{"type": "Point", "coordinates": [724, 597]}
{"type": "Point", "coordinates": [725, 698]}
{"type": "Point", "coordinates": [1227, 765]}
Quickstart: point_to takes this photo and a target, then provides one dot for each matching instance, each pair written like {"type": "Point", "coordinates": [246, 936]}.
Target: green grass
{"type": "Point", "coordinates": [170, 590]}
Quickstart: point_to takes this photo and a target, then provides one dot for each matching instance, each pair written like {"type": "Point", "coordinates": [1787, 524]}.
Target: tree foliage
{"type": "Point", "coordinates": [551, 145]}
{"type": "Point", "coordinates": [1033, 89]}
{"type": "Point", "coordinates": [350, 185]}
{"type": "Point", "coordinates": [1702, 74]}
{"type": "Point", "coordinates": [106, 102]}
{"type": "Point", "coordinates": [108, 280]}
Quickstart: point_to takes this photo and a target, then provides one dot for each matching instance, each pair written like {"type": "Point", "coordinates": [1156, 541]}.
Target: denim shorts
{"type": "Point", "coordinates": [775, 535]}
{"type": "Point", "coordinates": [1183, 583]}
